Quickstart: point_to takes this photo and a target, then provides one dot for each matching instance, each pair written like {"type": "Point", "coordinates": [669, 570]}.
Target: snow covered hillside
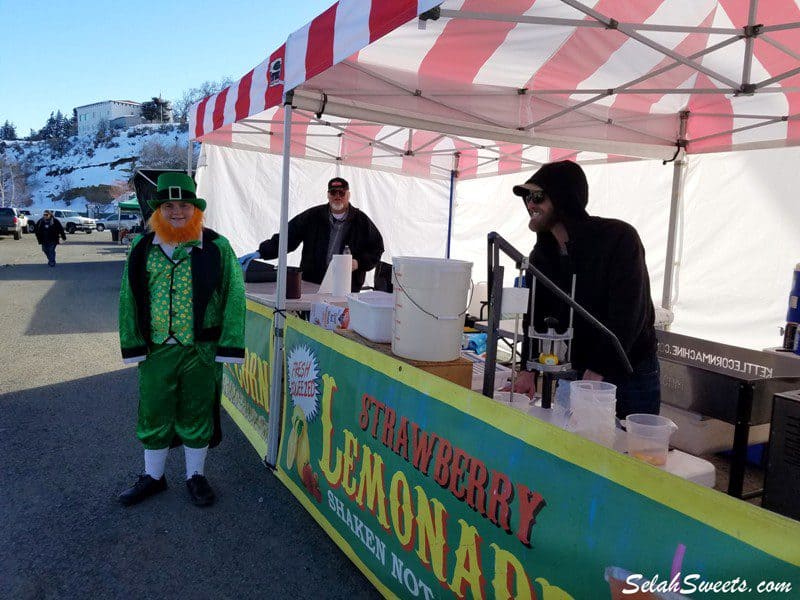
{"type": "Point", "coordinates": [92, 169]}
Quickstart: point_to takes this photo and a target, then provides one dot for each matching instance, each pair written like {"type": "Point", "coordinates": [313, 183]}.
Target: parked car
{"type": "Point", "coordinates": [72, 221]}
{"type": "Point", "coordinates": [124, 220]}
{"type": "Point", "coordinates": [10, 223]}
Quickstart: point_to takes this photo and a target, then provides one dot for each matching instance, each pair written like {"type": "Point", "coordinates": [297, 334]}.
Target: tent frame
{"type": "Point", "coordinates": [466, 127]}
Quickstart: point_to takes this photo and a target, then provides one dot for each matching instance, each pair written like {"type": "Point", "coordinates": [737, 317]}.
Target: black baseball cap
{"type": "Point", "coordinates": [338, 183]}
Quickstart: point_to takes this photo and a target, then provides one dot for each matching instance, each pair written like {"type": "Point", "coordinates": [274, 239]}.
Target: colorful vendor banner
{"type": "Point", "coordinates": [245, 387]}
{"type": "Point", "coordinates": [435, 491]}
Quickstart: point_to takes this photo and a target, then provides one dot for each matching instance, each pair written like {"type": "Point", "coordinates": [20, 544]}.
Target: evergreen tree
{"type": "Point", "coordinates": [157, 110]}
{"type": "Point", "coordinates": [49, 129]}
{"type": "Point", "coordinates": [59, 125]}
{"type": "Point", "coordinates": [8, 131]}
{"type": "Point", "coordinates": [72, 124]}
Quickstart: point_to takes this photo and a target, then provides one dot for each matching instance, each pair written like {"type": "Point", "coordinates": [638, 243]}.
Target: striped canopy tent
{"type": "Point", "coordinates": [484, 88]}
{"type": "Point", "coordinates": [470, 88]}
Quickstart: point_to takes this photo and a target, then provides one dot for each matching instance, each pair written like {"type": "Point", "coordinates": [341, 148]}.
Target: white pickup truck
{"type": "Point", "coordinates": [72, 221]}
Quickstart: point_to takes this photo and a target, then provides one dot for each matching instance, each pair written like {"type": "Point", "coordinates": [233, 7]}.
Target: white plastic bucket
{"type": "Point", "coordinates": [430, 299]}
{"type": "Point", "coordinates": [648, 437]}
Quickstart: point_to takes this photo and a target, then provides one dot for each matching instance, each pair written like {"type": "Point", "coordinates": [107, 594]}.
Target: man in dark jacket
{"type": "Point", "coordinates": [48, 230]}
{"type": "Point", "coordinates": [612, 283]}
{"type": "Point", "coordinates": [326, 230]}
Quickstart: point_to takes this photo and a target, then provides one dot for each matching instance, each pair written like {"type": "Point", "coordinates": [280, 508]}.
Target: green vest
{"type": "Point", "coordinates": [170, 286]}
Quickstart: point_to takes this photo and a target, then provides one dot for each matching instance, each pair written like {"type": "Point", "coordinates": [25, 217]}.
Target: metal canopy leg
{"type": "Point", "coordinates": [276, 375]}
{"type": "Point", "coordinates": [678, 180]}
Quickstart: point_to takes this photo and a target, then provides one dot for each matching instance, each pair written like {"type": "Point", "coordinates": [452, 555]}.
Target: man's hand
{"type": "Point", "coordinates": [522, 384]}
{"type": "Point", "coordinates": [355, 264]}
{"type": "Point", "coordinates": [589, 375]}
{"type": "Point", "coordinates": [244, 261]}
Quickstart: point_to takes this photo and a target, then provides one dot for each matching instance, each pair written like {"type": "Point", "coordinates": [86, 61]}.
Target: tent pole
{"type": "Point", "coordinates": [451, 209]}
{"type": "Point", "coordinates": [678, 181]}
{"type": "Point", "coordinates": [189, 158]}
{"type": "Point", "coordinates": [450, 215]}
{"type": "Point", "coordinates": [276, 374]}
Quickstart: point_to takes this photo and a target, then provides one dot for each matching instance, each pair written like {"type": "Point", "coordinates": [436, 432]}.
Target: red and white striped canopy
{"type": "Point", "coordinates": [485, 87]}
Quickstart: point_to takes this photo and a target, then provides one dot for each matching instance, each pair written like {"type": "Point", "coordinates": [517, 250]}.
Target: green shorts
{"type": "Point", "coordinates": [177, 392]}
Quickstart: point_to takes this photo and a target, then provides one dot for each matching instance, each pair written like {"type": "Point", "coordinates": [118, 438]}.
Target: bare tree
{"type": "Point", "coordinates": [13, 184]}
{"type": "Point", "coordinates": [64, 186]}
{"type": "Point", "coordinates": [155, 155]}
{"type": "Point", "coordinates": [189, 97]}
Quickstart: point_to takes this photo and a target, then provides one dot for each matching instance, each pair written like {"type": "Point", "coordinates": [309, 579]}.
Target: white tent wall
{"type": "Point", "coordinates": [737, 250]}
{"type": "Point", "coordinates": [637, 192]}
{"type": "Point", "coordinates": [243, 192]}
{"type": "Point", "coordinates": [741, 242]}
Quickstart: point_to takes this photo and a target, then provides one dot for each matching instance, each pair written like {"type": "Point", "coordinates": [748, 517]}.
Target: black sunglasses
{"type": "Point", "coordinates": [337, 192]}
{"type": "Point", "coordinates": [537, 197]}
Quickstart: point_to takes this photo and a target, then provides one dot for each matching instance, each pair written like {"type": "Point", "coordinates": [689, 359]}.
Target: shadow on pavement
{"type": "Point", "coordinates": [91, 289]}
{"type": "Point", "coordinates": [80, 239]}
{"type": "Point", "coordinates": [69, 449]}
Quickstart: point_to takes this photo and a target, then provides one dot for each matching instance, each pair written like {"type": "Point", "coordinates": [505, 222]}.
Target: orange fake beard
{"type": "Point", "coordinates": [176, 235]}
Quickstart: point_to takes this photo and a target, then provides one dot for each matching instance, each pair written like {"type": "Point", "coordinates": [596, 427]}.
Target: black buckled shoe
{"type": "Point", "coordinates": [144, 487]}
{"type": "Point", "coordinates": [200, 492]}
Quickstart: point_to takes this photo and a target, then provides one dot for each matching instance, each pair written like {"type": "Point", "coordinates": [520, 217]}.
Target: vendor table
{"type": "Point", "coordinates": [459, 371]}
{"type": "Point", "coordinates": [427, 485]}
{"type": "Point", "coordinates": [264, 293]}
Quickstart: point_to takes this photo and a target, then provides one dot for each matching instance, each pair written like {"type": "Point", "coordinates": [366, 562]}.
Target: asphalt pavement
{"type": "Point", "coordinates": [67, 448]}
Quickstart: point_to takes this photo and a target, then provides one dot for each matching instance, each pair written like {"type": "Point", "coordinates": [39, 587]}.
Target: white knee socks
{"type": "Point", "coordinates": [154, 461]}
{"type": "Point", "coordinates": [195, 460]}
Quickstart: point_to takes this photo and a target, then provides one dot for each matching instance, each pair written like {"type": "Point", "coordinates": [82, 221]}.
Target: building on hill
{"type": "Point", "coordinates": [122, 113]}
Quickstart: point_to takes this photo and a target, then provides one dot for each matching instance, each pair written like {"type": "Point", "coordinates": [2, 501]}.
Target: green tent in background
{"type": "Point", "coordinates": [132, 204]}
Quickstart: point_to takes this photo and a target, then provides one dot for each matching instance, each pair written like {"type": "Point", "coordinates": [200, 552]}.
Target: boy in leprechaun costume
{"type": "Point", "coordinates": [181, 315]}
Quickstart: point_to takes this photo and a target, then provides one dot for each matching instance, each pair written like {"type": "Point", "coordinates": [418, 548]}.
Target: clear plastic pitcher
{"type": "Point", "coordinates": [593, 410]}
{"type": "Point", "coordinates": [648, 437]}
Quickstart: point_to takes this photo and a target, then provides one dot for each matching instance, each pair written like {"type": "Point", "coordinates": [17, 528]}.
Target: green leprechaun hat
{"type": "Point", "coordinates": [176, 187]}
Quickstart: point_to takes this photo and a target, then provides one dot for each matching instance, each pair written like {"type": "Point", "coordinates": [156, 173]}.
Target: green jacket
{"type": "Point", "coordinates": [218, 302]}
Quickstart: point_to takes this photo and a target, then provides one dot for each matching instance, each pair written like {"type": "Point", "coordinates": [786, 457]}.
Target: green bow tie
{"type": "Point", "coordinates": [181, 251]}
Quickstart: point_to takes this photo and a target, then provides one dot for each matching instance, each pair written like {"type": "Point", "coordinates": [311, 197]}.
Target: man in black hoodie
{"type": "Point", "coordinates": [612, 283]}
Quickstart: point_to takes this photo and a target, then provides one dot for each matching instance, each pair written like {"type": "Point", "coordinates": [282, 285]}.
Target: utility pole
{"type": "Point", "coordinates": [13, 187]}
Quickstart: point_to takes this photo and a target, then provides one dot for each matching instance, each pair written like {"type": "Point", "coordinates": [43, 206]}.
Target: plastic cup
{"type": "Point", "coordinates": [515, 400]}
{"type": "Point", "coordinates": [555, 415]}
{"type": "Point", "coordinates": [648, 437]}
{"type": "Point", "coordinates": [593, 408]}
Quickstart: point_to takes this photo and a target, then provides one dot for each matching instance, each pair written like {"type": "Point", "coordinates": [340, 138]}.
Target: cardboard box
{"type": "Point", "coordinates": [458, 371]}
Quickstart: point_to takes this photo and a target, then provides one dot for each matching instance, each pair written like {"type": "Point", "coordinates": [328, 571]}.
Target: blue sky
{"type": "Point", "coordinates": [57, 55]}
